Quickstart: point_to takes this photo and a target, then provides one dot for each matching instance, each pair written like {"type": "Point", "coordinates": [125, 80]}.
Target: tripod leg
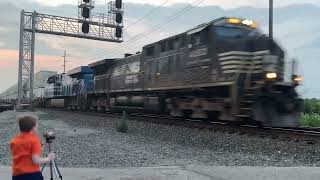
{"type": "Point", "coordinates": [44, 165]}
{"type": "Point", "coordinates": [57, 169]}
{"type": "Point", "coordinates": [55, 173]}
{"type": "Point", "coordinates": [51, 172]}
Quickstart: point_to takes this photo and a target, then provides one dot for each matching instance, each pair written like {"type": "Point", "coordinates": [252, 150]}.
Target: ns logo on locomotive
{"type": "Point", "coordinates": [225, 69]}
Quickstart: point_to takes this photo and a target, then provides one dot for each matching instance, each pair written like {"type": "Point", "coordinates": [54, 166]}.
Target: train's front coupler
{"type": "Point", "coordinates": [278, 106]}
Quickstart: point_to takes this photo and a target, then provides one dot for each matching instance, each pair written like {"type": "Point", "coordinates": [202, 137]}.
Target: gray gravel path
{"type": "Point", "coordinates": [91, 141]}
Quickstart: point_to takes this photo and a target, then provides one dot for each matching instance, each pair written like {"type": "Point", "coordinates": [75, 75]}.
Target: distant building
{"type": "Point", "coordinates": [40, 81]}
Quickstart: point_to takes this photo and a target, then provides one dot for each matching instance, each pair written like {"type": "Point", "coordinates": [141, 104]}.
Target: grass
{"type": "Point", "coordinates": [311, 113]}
{"type": "Point", "coordinates": [311, 120]}
{"type": "Point", "coordinates": [122, 124]}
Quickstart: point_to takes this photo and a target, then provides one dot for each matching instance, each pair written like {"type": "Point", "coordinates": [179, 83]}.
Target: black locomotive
{"type": "Point", "coordinates": [224, 69]}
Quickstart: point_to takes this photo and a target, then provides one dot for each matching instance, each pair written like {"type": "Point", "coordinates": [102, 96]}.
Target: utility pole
{"type": "Point", "coordinates": [271, 19]}
{"type": "Point", "coordinates": [64, 61]}
{"type": "Point", "coordinates": [294, 67]}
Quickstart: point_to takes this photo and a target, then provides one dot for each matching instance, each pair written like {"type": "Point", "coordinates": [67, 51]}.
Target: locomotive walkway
{"type": "Point", "coordinates": [184, 173]}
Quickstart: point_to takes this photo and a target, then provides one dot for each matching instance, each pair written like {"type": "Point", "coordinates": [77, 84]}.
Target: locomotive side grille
{"type": "Point", "coordinates": [198, 75]}
{"type": "Point", "coordinates": [239, 61]}
{"type": "Point", "coordinates": [100, 83]}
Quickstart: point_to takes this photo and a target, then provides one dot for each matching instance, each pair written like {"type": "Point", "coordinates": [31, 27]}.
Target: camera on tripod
{"type": "Point", "coordinates": [54, 170]}
{"type": "Point", "coordinates": [49, 136]}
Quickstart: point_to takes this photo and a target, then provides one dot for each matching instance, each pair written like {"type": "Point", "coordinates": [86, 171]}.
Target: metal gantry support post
{"type": "Point", "coordinates": [33, 42]}
{"type": "Point", "coordinates": [20, 59]}
{"type": "Point", "coordinates": [26, 58]}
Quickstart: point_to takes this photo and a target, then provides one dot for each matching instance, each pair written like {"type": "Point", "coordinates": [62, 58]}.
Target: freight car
{"type": "Point", "coordinates": [224, 69]}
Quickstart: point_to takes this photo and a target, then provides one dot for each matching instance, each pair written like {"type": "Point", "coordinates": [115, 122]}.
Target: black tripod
{"type": "Point", "coordinates": [54, 170]}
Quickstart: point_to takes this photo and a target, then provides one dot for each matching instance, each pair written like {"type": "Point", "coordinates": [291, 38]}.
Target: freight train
{"type": "Point", "coordinates": [225, 69]}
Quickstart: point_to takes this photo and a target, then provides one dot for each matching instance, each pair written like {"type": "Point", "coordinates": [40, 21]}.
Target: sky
{"type": "Point", "coordinates": [222, 3]}
{"type": "Point", "coordinates": [299, 36]}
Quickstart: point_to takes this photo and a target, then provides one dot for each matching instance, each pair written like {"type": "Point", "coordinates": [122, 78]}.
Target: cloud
{"type": "Point", "coordinates": [222, 3]}
{"type": "Point", "coordinates": [5, 29]}
{"type": "Point", "coordinates": [8, 68]}
{"type": "Point", "coordinates": [9, 65]}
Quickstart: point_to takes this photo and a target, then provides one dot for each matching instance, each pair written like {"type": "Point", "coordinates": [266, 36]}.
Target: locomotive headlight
{"type": "Point", "coordinates": [246, 22]}
{"type": "Point", "coordinates": [234, 20]}
{"type": "Point", "coordinates": [250, 23]}
{"type": "Point", "coordinates": [271, 76]}
{"type": "Point", "coordinates": [297, 80]}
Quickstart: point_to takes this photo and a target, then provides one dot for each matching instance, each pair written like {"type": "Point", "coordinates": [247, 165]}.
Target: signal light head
{"type": "Point", "coordinates": [86, 12]}
{"type": "Point", "coordinates": [119, 18]}
{"type": "Point", "coordinates": [85, 27]}
{"type": "Point", "coordinates": [118, 32]}
{"type": "Point", "coordinates": [119, 4]}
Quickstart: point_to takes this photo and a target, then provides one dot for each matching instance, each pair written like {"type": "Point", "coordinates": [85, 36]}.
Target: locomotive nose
{"type": "Point", "coordinates": [264, 43]}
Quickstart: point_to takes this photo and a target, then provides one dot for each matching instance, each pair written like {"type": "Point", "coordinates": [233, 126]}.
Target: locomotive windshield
{"type": "Point", "coordinates": [236, 28]}
{"type": "Point", "coordinates": [236, 32]}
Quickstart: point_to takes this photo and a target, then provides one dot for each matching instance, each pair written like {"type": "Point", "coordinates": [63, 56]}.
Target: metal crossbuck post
{"type": "Point", "coordinates": [100, 27]}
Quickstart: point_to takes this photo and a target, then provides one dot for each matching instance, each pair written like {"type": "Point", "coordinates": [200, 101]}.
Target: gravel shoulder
{"type": "Point", "coordinates": [91, 141]}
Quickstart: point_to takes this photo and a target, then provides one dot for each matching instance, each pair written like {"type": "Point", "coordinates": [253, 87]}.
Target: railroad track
{"type": "Point", "coordinates": [303, 134]}
{"type": "Point", "coordinates": [5, 107]}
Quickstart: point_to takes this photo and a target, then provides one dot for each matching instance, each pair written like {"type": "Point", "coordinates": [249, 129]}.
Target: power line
{"type": "Point", "coordinates": [147, 15]}
{"type": "Point", "coordinates": [166, 21]}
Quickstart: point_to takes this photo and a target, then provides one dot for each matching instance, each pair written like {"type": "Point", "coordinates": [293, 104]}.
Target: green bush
{"type": "Point", "coordinates": [311, 120]}
{"type": "Point", "coordinates": [122, 124]}
{"type": "Point", "coordinates": [311, 106]}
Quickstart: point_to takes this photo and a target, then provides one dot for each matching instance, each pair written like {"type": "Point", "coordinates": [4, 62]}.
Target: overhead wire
{"type": "Point", "coordinates": [166, 21]}
{"type": "Point", "coordinates": [155, 27]}
{"type": "Point", "coordinates": [146, 15]}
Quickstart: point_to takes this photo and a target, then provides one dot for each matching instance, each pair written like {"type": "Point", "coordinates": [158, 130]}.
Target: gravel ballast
{"type": "Point", "coordinates": [91, 141]}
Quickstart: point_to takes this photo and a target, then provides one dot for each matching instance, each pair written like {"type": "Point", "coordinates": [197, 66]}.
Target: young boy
{"type": "Point", "coordinates": [26, 151]}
